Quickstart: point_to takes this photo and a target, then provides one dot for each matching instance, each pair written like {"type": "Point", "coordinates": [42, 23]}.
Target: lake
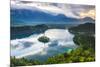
{"type": "Point", "coordinates": [61, 41]}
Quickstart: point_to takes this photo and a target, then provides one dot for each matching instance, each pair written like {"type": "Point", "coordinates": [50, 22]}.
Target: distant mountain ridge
{"type": "Point", "coordinates": [88, 20]}
{"type": "Point", "coordinates": [20, 16]}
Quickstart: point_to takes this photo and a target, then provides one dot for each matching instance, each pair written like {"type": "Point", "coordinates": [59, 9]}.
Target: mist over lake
{"type": "Point", "coordinates": [61, 40]}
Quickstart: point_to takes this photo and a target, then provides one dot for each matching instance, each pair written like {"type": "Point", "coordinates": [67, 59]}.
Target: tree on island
{"type": "Point", "coordinates": [43, 39]}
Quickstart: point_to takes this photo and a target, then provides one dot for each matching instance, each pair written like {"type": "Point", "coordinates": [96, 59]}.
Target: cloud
{"type": "Point", "coordinates": [60, 39]}
{"type": "Point", "coordinates": [69, 10]}
{"type": "Point", "coordinates": [90, 13]}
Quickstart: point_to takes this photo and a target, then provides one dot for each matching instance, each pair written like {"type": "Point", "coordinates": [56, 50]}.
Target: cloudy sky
{"type": "Point", "coordinates": [69, 10]}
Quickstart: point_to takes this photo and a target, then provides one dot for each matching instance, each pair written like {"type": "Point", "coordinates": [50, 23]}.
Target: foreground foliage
{"type": "Point", "coordinates": [78, 55]}
{"type": "Point", "coordinates": [22, 62]}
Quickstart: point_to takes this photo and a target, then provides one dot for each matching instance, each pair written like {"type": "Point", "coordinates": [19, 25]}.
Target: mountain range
{"type": "Point", "coordinates": [31, 17]}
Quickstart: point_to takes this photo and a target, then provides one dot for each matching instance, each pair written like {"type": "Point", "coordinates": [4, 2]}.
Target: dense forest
{"type": "Point", "coordinates": [87, 28]}
{"type": "Point", "coordinates": [84, 53]}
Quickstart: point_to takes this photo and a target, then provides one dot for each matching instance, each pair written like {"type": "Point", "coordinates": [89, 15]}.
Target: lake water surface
{"type": "Point", "coordinates": [61, 41]}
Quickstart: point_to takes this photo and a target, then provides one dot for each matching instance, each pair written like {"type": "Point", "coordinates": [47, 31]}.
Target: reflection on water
{"type": "Point", "coordinates": [60, 41]}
